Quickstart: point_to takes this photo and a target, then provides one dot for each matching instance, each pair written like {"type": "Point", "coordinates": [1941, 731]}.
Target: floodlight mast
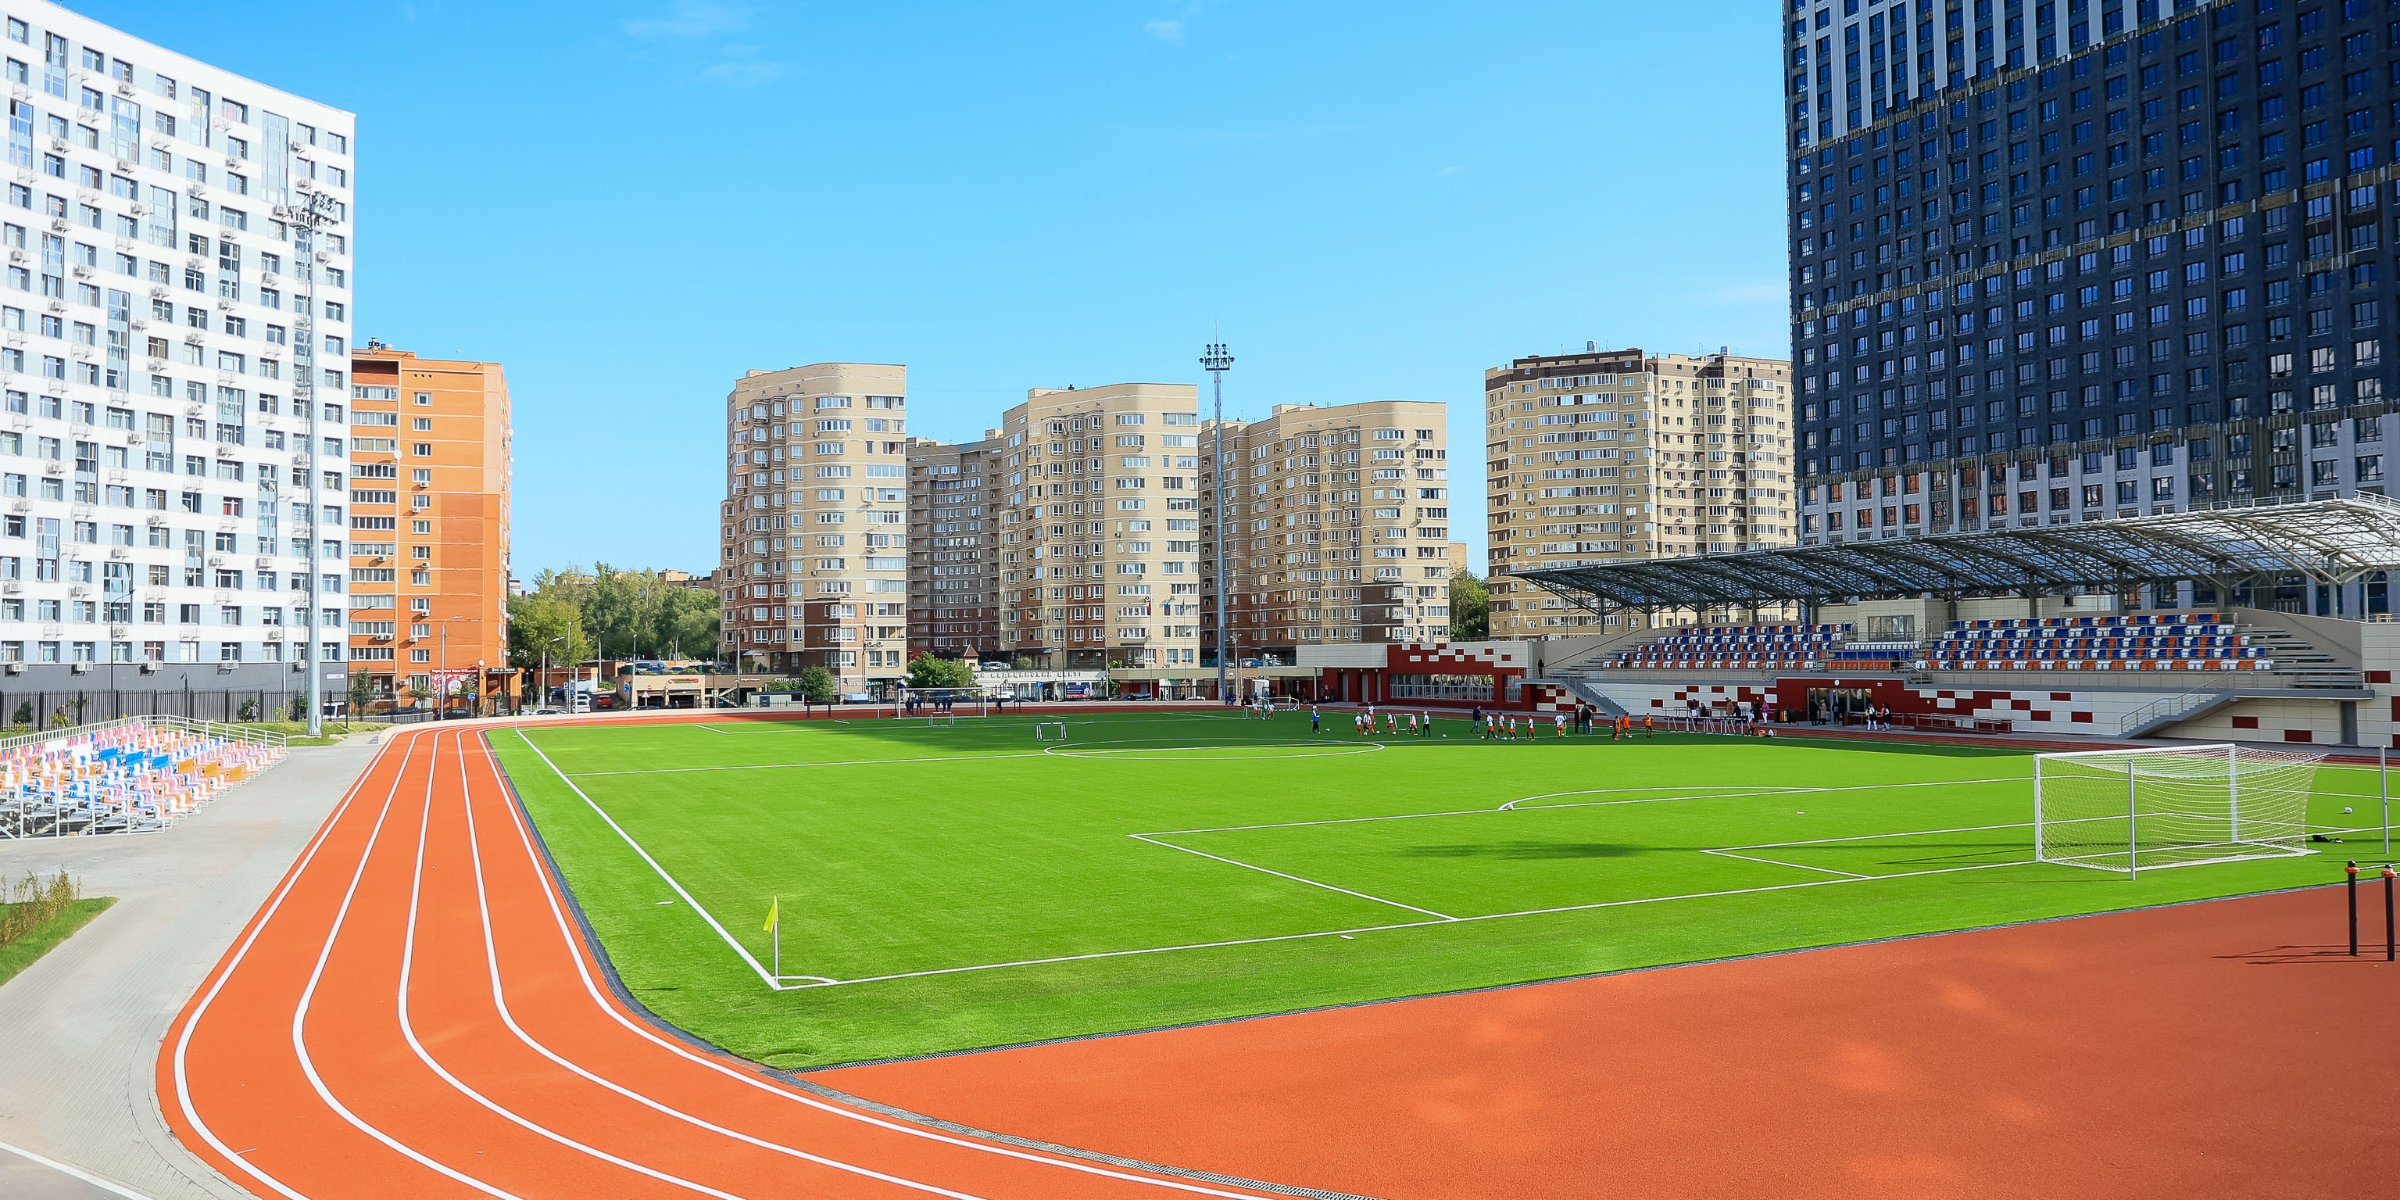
{"type": "Point", "coordinates": [1216, 360]}
{"type": "Point", "coordinates": [315, 211]}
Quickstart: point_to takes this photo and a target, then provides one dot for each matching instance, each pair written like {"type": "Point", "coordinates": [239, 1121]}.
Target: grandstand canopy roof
{"type": "Point", "coordinates": [2329, 541]}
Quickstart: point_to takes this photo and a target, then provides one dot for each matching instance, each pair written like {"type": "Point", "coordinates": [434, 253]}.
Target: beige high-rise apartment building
{"type": "Point", "coordinates": [954, 546]}
{"type": "Point", "coordinates": [814, 566]}
{"type": "Point", "coordinates": [1337, 527]}
{"type": "Point", "coordinates": [1100, 527]}
{"type": "Point", "coordinates": [1617, 454]}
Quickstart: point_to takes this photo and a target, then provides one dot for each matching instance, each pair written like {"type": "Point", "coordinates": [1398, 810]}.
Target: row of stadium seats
{"type": "Point", "coordinates": [125, 777]}
{"type": "Point", "coordinates": [2136, 619]}
{"type": "Point", "coordinates": [2101, 664]}
{"type": "Point", "coordinates": [2164, 641]}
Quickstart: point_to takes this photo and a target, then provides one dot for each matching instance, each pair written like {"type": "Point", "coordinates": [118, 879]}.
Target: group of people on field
{"type": "Point", "coordinates": [1363, 722]}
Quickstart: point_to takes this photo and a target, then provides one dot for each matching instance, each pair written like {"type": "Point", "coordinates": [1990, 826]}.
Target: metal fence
{"type": "Point", "coordinates": [48, 708]}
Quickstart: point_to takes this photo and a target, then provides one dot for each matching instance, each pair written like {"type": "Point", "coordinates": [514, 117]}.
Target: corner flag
{"type": "Point", "coordinates": [775, 927]}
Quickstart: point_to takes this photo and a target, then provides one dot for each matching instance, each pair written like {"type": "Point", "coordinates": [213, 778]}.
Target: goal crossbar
{"type": "Point", "coordinates": [2132, 809]}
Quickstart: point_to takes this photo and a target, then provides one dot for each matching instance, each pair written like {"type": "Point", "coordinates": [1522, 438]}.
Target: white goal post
{"type": "Point", "coordinates": [2170, 806]}
{"type": "Point", "coordinates": [942, 705]}
{"type": "Point", "coordinates": [941, 721]}
{"type": "Point", "coordinates": [1050, 731]}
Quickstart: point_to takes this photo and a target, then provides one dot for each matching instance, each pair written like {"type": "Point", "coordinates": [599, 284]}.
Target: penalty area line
{"type": "Point", "coordinates": [1294, 878]}
{"type": "Point", "coordinates": [1446, 922]}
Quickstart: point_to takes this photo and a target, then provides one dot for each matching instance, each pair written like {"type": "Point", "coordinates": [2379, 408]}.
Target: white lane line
{"type": "Point", "coordinates": [1326, 933]}
{"type": "Point", "coordinates": [1294, 878]}
{"type": "Point", "coordinates": [759, 968]}
{"type": "Point", "coordinates": [72, 1172]}
{"type": "Point", "coordinates": [308, 995]}
{"type": "Point", "coordinates": [848, 762]}
{"type": "Point", "coordinates": [606, 1004]}
{"type": "Point", "coordinates": [1790, 865]}
{"type": "Point", "coordinates": [183, 1040]}
{"type": "Point", "coordinates": [491, 954]}
{"type": "Point", "coordinates": [408, 1029]}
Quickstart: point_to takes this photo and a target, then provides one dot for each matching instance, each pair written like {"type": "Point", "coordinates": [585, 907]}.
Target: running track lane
{"type": "Point", "coordinates": [411, 1016]}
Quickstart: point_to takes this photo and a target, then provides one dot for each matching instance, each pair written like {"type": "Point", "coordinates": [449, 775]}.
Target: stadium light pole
{"type": "Point", "coordinates": [314, 211]}
{"type": "Point", "coordinates": [1216, 361]}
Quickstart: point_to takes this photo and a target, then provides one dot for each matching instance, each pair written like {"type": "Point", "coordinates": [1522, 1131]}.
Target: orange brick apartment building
{"type": "Point", "coordinates": [429, 483]}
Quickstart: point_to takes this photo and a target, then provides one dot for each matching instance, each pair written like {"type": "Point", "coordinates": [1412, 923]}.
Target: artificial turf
{"type": "Point", "coordinates": [910, 862]}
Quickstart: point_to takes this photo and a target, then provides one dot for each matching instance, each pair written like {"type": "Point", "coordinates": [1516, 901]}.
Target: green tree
{"type": "Point", "coordinates": [362, 693]}
{"type": "Point", "coordinates": [629, 614]}
{"type": "Point", "coordinates": [1470, 608]}
{"type": "Point", "coordinates": [929, 671]}
{"type": "Point", "coordinates": [817, 685]}
{"type": "Point", "coordinates": [534, 621]}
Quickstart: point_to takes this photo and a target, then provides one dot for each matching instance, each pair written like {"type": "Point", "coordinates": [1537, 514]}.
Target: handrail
{"type": "Point", "coordinates": [235, 733]}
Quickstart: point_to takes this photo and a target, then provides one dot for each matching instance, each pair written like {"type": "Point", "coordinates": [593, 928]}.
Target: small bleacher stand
{"type": "Point", "coordinates": [133, 775]}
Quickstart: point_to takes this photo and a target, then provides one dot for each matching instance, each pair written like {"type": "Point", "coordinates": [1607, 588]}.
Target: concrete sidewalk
{"type": "Point", "coordinates": [80, 1029]}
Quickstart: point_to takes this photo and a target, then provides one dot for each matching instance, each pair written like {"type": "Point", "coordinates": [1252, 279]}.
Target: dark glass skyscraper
{"type": "Point", "coordinates": [2069, 259]}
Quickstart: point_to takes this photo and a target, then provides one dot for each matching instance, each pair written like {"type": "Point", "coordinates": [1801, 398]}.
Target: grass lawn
{"type": "Point", "coordinates": [954, 888]}
{"type": "Point", "coordinates": [19, 954]}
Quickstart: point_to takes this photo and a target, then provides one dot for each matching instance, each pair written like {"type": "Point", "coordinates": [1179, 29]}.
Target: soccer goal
{"type": "Point", "coordinates": [2179, 806]}
{"type": "Point", "coordinates": [1050, 731]}
{"type": "Point", "coordinates": [941, 721]}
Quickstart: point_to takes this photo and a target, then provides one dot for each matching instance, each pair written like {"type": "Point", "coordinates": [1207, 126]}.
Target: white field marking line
{"type": "Point", "coordinates": [491, 954]}
{"type": "Point", "coordinates": [1294, 878]}
{"type": "Point", "coordinates": [1348, 750]}
{"type": "Point", "coordinates": [72, 1172]}
{"type": "Point", "coordinates": [308, 995]}
{"type": "Point", "coordinates": [755, 966]}
{"type": "Point", "coordinates": [1654, 796]}
{"type": "Point", "coordinates": [1687, 793]}
{"type": "Point", "coordinates": [1776, 863]}
{"type": "Point", "coordinates": [1292, 937]}
{"type": "Point", "coordinates": [1873, 837]}
{"type": "Point", "coordinates": [408, 1029]}
{"type": "Point", "coordinates": [602, 1001]}
{"type": "Point", "coordinates": [852, 762]}
{"type": "Point", "coordinates": [183, 1040]}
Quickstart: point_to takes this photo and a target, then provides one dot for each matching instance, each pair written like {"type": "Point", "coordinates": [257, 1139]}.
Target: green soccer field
{"type": "Point", "coordinates": [952, 888]}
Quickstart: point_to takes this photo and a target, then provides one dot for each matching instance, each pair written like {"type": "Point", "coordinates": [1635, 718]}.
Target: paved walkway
{"type": "Point", "coordinates": [80, 1029]}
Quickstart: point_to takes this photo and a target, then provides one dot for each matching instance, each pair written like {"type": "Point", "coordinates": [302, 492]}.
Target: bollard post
{"type": "Point", "coordinates": [2391, 937]}
{"type": "Point", "coordinates": [2352, 872]}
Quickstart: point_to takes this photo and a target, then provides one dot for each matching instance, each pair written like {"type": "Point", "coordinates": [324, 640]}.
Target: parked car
{"type": "Point", "coordinates": [858, 698]}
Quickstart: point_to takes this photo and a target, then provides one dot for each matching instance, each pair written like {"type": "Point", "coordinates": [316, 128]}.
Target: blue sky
{"type": "Point", "coordinates": [630, 203]}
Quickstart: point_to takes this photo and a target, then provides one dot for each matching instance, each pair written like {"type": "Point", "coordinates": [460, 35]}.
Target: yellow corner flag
{"type": "Point", "coordinates": [774, 911]}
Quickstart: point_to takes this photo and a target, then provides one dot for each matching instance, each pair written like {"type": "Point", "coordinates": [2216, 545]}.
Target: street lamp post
{"type": "Point", "coordinates": [1216, 361]}
{"type": "Point", "coordinates": [315, 210]}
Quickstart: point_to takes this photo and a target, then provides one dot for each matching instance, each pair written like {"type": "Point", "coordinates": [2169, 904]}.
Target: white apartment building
{"type": "Point", "coordinates": [814, 528]}
{"type": "Point", "coordinates": [173, 367]}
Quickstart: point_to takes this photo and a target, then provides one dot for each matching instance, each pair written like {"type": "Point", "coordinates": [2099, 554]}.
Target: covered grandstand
{"type": "Point", "coordinates": [2329, 542]}
{"type": "Point", "coordinates": [2236, 622]}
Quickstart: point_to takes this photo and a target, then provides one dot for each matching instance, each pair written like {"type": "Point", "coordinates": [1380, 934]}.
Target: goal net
{"type": "Point", "coordinates": [941, 721]}
{"type": "Point", "coordinates": [2127, 810]}
{"type": "Point", "coordinates": [1050, 731]}
{"type": "Point", "coordinates": [942, 705]}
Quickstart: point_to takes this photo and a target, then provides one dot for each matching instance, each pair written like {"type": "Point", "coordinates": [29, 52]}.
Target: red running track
{"type": "Point", "coordinates": [413, 1015]}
